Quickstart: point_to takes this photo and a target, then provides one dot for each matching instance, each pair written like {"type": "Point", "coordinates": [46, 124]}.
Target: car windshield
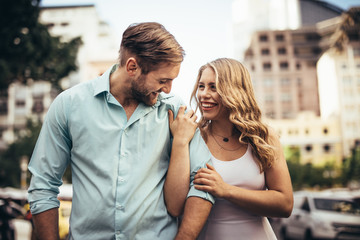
{"type": "Point", "coordinates": [336, 205]}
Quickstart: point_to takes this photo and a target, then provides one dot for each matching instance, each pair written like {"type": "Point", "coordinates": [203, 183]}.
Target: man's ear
{"type": "Point", "coordinates": [131, 66]}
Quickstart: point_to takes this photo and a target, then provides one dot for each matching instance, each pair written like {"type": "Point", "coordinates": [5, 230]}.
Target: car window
{"type": "Point", "coordinates": [335, 205]}
{"type": "Point", "coordinates": [298, 201]}
{"type": "Point", "coordinates": [305, 206]}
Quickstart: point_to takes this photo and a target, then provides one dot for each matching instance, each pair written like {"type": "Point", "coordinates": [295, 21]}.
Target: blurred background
{"type": "Point", "coordinates": [303, 57]}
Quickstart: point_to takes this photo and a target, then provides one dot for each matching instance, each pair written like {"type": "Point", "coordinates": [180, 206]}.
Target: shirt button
{"type": "Point", "coordinates": [119, 207]}
{"type": "Point", "coordinates": [121, 179]}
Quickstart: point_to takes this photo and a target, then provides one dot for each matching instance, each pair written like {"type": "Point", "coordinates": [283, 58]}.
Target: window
{"type": "Point", "coordinates": [269, 98]}
{"type": "Point", "coordinates": [316, 50]}
{"type": "Point", "coordinates": [279, 37]}
{"type": "Point", "coordinates": [38, 106]}
{"type": "Point", "coordinates": [282, 51]}
{"type": "Point", "coordinates": [308, 148]}
{"type": "Point", "coordinates": [267, 66]}
{"type": "Point", "coordinates": [287, 114]}
{"type": "Point", "coordinates": [263, 38]}
{"type": "Point", "coordinates": [64, 24]}
{"type": "Point", "coordinates": [305, 206]}
{"type": "Point", "coordinates": [270, 114]}
{"type": "Point", "coordinates": [312, 37]}
{"type": "Point", "coordinates": [284, 65]}
{"type": "Point", "coordinates": [299, 81]}
{"type": "Point", "coordinates": [285, 82]}
{"type": "Point", "coordinates": [20, 103]}
{"type": "Point", "coordinates": [286, 97]}
{"type": "Point", "coordinates": [325, 131]}
{"type": "Point", "coordinates": [268, 82]}
{"type": "Point", "coordinates": [327, 148]}
{"type": "Point", "coordinates": [298, 66]}
{"type": "Point", "coordinates": [265, 51]}
{"type": "Point", "coordinates": [50, 25]}
{"type": "Point", "coordinates": [356, 52]}
{"type": "Point", "coordinates": [3, 106]}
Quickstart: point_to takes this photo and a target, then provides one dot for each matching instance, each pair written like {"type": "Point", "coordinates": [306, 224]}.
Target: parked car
{"type": "Point", "coordinates": [322, 215]}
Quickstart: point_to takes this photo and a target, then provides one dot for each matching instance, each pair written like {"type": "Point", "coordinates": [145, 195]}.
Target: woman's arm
{"type": "Point", "coordinates": [277, 201]}
{"type": "Point", "coordinates": [177, 180]}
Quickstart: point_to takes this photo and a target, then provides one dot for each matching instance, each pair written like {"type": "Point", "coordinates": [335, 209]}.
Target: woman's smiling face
{"type": "Point", "coordinates": [210, 101]}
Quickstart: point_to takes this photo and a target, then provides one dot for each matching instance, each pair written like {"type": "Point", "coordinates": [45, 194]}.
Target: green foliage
{"type": "Point", "coordinates": [10, 159]}
{"type": "Point", "coordinates": [23, 146]}
{"type": "Point", "coordinates": [27, 51]}
{"type": "Point", "coordinates": [309, 176]}
{"type": "Point", "coordinates": [351, 166]}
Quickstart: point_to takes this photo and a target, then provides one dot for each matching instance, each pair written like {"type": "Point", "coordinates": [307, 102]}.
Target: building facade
{"type": "Point", "coordinates": [282, 65]}
{"type": "Point", "coordinates": [318, 140]}
{"type": "Point", "coordinates": [250, 16]}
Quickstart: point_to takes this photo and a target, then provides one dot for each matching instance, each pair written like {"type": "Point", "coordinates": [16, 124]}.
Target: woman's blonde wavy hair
{"type": "Point", "coordinates": [234, 86]}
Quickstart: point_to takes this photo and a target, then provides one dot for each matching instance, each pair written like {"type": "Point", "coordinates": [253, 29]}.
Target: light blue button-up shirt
{"type": "Point", "coordinates": [118, 165]}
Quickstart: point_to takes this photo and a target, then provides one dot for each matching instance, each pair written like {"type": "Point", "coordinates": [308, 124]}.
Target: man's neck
{"type": "Point", "coordinates": [120, 88]}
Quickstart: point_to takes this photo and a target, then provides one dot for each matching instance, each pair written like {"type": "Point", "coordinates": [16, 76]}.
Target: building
{"type": "Point", "coordinates": [318, 140]}
{"type": "Point", "coordinates": [282, 65]}
{"type": "Point", "coordinates": [250, 16]}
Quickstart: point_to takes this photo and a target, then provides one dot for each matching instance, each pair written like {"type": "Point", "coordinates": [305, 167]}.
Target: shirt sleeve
{"type": "Point", "coordinates": [199, 156]}
{"type": "Point", "coordinates": [50, 158]}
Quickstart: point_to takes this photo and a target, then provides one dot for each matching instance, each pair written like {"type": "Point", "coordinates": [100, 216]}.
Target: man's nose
{"type": "Point", "coordinates": [167, 87]}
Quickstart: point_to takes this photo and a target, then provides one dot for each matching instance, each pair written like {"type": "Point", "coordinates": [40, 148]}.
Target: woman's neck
{"type": "Point", "coordinates": [222, 128]}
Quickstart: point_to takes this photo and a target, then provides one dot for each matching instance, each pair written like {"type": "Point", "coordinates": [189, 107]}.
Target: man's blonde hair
{"type": "Point", "coordinates": [151, 45]}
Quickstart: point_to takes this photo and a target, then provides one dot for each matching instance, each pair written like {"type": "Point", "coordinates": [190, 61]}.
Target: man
{"type": "Point", "coordinates": [114, 132]}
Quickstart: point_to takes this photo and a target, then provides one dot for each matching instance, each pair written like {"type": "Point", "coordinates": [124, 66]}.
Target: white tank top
{"type": "Point", "coordinates": [229, 221]}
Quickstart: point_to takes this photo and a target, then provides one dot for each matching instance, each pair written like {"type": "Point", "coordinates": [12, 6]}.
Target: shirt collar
{"type": "Point", "coordinates": [102, 83]}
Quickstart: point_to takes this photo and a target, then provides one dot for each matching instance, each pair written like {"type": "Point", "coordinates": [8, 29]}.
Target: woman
{"type": "Point", "coordinates": [249, 176]}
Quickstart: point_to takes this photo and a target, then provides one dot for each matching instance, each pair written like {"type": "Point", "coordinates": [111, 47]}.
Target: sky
{"type": "Point", "coordinates": [202, 27]}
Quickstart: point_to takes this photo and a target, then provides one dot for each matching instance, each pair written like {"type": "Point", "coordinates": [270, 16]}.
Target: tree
{"type": "Point", "coordinates": [27, 50]}
{"type": "Point", "coordinates": [10, 158]}
{"type": "Point", "coordinates": [351, 166]}
{"type": "Point", "coordinates": [348, 30]}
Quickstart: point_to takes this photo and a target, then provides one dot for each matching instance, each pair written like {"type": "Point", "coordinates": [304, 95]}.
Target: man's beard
{"type": "Point", "coordinates": [140, 93]}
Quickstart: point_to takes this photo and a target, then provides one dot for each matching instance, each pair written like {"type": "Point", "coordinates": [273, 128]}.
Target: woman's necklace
{"type": "Point", "coordinates": [226, 149]}
{"type": "Point", "coordinates": [225, 139]}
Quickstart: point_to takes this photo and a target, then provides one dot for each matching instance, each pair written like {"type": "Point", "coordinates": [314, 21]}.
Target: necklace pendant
{"type": "Point", "coordinates": [225, 139]}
